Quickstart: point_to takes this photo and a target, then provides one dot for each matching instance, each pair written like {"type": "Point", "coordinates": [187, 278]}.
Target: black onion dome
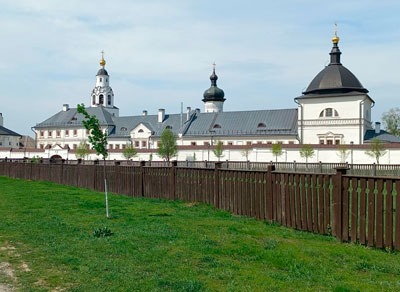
{"type": "Point", "coordinates": [335, 78]}
{"type": "Point", "coordinates": [102, 71]}
{"type": "Point", "coordinates": [214, 93]}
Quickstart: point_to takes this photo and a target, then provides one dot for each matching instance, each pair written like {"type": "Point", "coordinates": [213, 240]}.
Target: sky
{"type": "Point", "coordinates": [159, 53]}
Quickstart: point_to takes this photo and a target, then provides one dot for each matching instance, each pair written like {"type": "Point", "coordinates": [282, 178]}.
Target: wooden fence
{"type": "Point", "coordinates": [352, 208]}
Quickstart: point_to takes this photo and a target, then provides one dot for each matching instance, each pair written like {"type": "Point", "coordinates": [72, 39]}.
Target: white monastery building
{"type": "Point", "coordinates": [334, 109]}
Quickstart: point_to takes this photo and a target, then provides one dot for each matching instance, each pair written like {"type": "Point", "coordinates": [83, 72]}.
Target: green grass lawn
{"type": "Point", "coordinates": [47, 244]}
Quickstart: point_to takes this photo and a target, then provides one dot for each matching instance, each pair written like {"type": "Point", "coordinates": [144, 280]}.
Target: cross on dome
{"type": "Point", "coordinates": [335, 38]}
{"type": "Point", "coordinates": [102, 61]}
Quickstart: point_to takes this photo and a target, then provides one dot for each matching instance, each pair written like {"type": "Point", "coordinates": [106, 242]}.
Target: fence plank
{"type": "Point", "coordinates": [315, 195]}
{"type": "Point", "coordinates": [363, 210]}
{"type": "Point", "coordinates": [379, 214]}
{"type": "Point", "coordinates": [345, 209]}
{"type": "Point", "coordinates": [354, 210]}
{"type": "Point", "coordinates": [371, 212]}
{"type": "Point", "coordinates": [397, 217]}
{"type": "Point", "coordinates": [389, 215]}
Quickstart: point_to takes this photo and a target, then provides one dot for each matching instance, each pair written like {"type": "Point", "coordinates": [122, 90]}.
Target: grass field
{"type": "Point", "coordinates": [47, 244]}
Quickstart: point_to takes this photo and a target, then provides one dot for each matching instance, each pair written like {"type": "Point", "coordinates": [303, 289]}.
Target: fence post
{"type": "Point", "coordinates": [172, 180]}
{"type": "Point", "coordinates": [374, 169]}
{"type": "Point", "coordinates": [337, 202]}
{"type": "Point", "coordinates": [269, 193]}
{"type": "Point", "coordinates": [217, 194]}
{"type": "Point", "coordinates": [142, 182]}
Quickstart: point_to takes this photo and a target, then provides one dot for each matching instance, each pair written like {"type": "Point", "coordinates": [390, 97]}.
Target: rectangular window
{"type": "Point", "coordinates": [117, 146]}
{"type": "Point", "coordinates": [87, 132]}
{"type": "Point", "coordinates": [230, 143]}
{"type": "Point", "coordinates": [75, 146]}
{"type": "Point", "coordinates": [144, 144]}
{"type": "Point", "coordinates": [206, 143]}
{"type": "Point", "coordinates": [337, 142]}
{"type": "Point", "coordinates": [137, 144]}
{"type": "Point", "coordinates": [123, 146]}
{"type": "Point", "coordinates": [329, 142]}
{"type": "Point", "coordinates": [248, 143]}
{"type": "Point", "coordinates": [66, 133]}
{"type": "Point", "coordinates": [291, 142]}
{"type": "Point", "coordinates": [58, 133]}
{"type": "Point", "coordinates": [193, 143]}
{"type": "Point", "coordinates": [321, 142]}
{"type": "Point", "coordinates": [41, 133]}
{"type": "Point", "coordinates": [50, 133]}
{"type": "Point", "coordinates": [75, 133]}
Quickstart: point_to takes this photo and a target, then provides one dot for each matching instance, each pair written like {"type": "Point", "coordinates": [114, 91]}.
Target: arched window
{"type": "Point", "coordinates": [168, 127]}
{"type": "Point", "coordinates": [101, 99]}
{"type": "Point", "coordinates": [140, 131]}
{"type": "Point", "coordinates": [109, 100]}
{"type": "Point", "coordinates": [261, 125]}
{"type": "Point", "coordinates": [124, 129]}
{"type": "Point", "coordinates": [329, 113]}
{"type": "Point", "coordinates": [217, 126]}
{"type": "Point", "coordinates": [93, 99]}
{"type": "Point", "coordinates": [101, 79]}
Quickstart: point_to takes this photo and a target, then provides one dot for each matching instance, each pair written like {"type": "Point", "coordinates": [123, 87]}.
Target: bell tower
{"type": "Point", "coordinates": [102, 93]}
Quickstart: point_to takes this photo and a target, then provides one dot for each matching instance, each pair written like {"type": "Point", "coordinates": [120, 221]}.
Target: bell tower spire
{"type": "Point", "coordinates": [102, 93]}
{"type": "Point", "coordinates": [335, 52]}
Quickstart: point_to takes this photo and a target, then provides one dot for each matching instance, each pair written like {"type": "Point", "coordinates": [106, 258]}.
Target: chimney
{"type": "Point", "coordinates": [197, 110]}
{"type": "Point", "coordinates": [1, 120]}
{"type": "Point", "coordinates": [144, 113]}
{"type": "Point", "coordinates": [161, 115]}
{"type": "Point", "coordinates": [377, 127]}
{"type": "Point", "coordinates": [188, 109]}
{"type": "Point", "coordinates": [65, 107]}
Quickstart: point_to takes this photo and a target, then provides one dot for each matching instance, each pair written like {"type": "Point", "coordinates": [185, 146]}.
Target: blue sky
{"type": "Point", "coordinates": [160, 53]}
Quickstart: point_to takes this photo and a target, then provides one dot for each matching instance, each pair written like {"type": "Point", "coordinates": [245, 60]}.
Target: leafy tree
{"type": "Point", "coordinates": [167, 147]}
{"type": "Point", "coordinates": [129, 151]}
{"type": "Point", "coordinates": [219, 150]}
{"type": "Point", "coordinates": [277, 150]}
{"type": "Point", "coordinates": [391, 121]}
{"type": "Point", "coordinates": [343, 152]}
{"type": "Point", "coordinates": [376, 149]}
{"type": "Point", "coordinates": [246, 151]}
{"type": "Point", "coordinates": [82, 150]}
{"type": "Point", "coordinates": [307, 151]}
{"type": "Point", "coordinates": [98, 141]}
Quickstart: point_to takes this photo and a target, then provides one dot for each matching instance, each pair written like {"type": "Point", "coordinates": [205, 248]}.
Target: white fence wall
{"type": "Point", "coordinates": [327, 155]}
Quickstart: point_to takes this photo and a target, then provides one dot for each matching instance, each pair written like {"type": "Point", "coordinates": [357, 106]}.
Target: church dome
{"type": "Point", "coordinates": [102, 71]}
{"type": "Point", "coordinates": [214, 93]}
{"type": "Point", "coordinates": [102, 63]}
{"type": "Point", "coordinates": [335, 78]}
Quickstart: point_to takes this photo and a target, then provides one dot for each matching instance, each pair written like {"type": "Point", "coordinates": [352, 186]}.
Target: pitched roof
{"type": "Point", "coordinates": [382, 135]}
{"type": "Point", "coordinates": [7, 132]}
{"type": "Point", "coordinates": [71, 117]}
{"type": "Point", "coordinates": [242, 123]}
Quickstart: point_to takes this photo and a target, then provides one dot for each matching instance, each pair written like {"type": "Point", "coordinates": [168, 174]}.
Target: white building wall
{"type": "Point", "coordinates": [255, 154]}
{"type": "Point", "coordinates": [352, 120]}
{"type": "Point", "coordinates": [214, 106]}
